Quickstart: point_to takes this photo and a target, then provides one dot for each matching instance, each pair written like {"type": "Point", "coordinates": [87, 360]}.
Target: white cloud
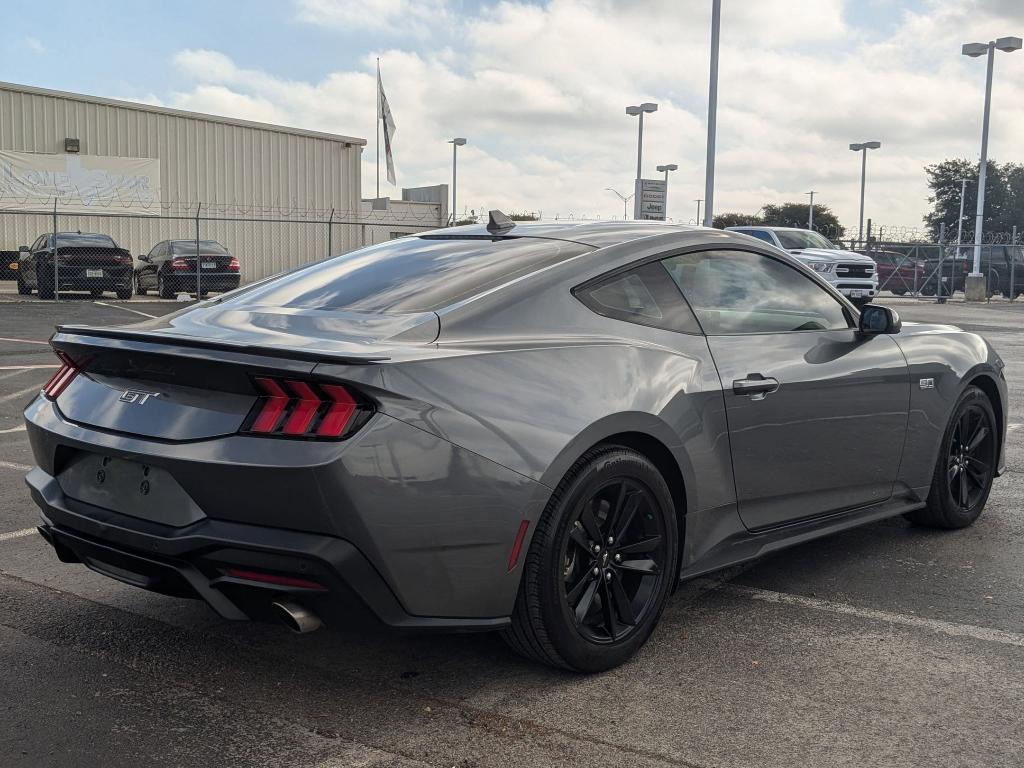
{"type": "Point", "coordinates": [539, 91]}
{"type": "Point", "coordinates": [391, 16]}
{"type": "Point", "coordinates": [34, 45]}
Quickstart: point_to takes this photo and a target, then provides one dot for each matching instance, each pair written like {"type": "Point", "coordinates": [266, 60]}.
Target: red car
{"type": "Point", "coordinates": [897, 272]}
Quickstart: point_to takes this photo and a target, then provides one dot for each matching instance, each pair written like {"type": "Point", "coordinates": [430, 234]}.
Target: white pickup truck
{"type": "Point", "coordinates": [853, 274]}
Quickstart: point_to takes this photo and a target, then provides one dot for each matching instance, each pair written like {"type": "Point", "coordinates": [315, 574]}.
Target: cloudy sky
{"type": "Point", "coordinates": [539, 88]}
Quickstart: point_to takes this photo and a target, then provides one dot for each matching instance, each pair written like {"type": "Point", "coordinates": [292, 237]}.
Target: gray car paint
{"type": "Point", "coordinates": [476, 427]}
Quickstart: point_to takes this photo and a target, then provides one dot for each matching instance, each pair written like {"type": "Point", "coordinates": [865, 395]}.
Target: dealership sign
{"type": "Point", "coordinates": [30, 181]}
{"type": "Point", "coordinates": [649, 200]}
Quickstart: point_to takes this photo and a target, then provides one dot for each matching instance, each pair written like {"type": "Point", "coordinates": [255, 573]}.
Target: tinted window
{"type": "Point", "coordinates": [186, 247]}
{"type": "Point", "coordinates": [760, 234]}
{"type": "Point", "coordinates": [797, 239]}
{"type": "Point", "coordinates": [411, 274]}
{"type": "Point", "coordinates": [75, 240]}
{"type": "Point", "coordinates": [740, 292]}
{"type": "Point", "coordinates": [644, 295]}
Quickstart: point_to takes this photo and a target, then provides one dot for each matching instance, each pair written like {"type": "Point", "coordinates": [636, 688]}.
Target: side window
{"type": "Point", "coordinates": [760, 234]}
{"type": "Point", "coordinates": [644, 296]}
{"type": "Point", "coordinates": [742, 292]}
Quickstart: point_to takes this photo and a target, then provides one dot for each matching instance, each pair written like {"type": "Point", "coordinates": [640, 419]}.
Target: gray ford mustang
{"type": "Point", "coordinates": [534, 428]}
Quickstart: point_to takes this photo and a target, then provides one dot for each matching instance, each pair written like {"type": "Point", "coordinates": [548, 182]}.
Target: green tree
{"type": "Point", "coordinates": [1004, 196]}
{"type": "Point", "coordinates": [795, 215]}
{"type": "Point", "coordinates": [524, 216]}
{"type": "Point", "coordinates": [723, 220]}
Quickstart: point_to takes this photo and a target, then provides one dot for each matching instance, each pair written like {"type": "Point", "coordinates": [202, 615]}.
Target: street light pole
{"type": "Point", "coordinates": [810, 210]}
{"type": "Point", "coordinates": [624, 198]}
{"type": "Point", "coordinates": [456, 143]}
{"type": "Point", "coordinates": [709, 166]}
{"type": "Point", "coordinates": [974, 50]}
{"type": "Point", "coordinates": [960, 219]}
{"type": "Point", "coordinates": [639, 110]}
{"type": "Point", "coordinates": [666, 169]}
{"type": "Point", "coordinates": [863, 148]}
{"type": "Point", "coordinates": [699, 200]}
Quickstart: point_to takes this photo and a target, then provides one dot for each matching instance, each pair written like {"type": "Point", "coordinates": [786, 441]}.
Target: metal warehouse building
{"type": "Point", "coordinates": [275, 196]}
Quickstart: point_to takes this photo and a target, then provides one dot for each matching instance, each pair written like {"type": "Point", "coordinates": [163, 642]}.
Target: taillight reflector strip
{"type": "Point", "coordinates": [60, 380]}
{"type": "Point", "coordinates": [273, 405]}
{"type": "Point", "coordinates": [304, 409]}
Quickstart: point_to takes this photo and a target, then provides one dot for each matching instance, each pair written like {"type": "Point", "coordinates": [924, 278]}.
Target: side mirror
{"type": "Point", "coordinates": [23, 249]}
{"type": "Point", "coordinates": [876, 319]}
{"type": "Point", "coordinates": [143, 257]}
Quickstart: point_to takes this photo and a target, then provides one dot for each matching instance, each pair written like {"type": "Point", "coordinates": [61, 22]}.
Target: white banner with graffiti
{"type": "Point", "coordinates": [29, 181]}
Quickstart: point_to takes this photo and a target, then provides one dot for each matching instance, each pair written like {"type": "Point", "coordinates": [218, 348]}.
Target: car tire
{"type": "Point", "coordinates": [23, 290]}
{"type": "Point", "coordinates": [963, 478]}
{"type": "Point", "coordinates": [139, 290]}
{"type": "Point", "coordinates": [163, 289]}
{"type": "Point", "coordinates": [46, 289]}
{"type": "Point", "coordinates": [95, 293]}
{"type": "Point", "coordinates": [124, 292]}
{"type": "Point", "coordinates": [590, 610]}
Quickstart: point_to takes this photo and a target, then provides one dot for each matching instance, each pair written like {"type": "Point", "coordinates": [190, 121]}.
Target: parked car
{"type": "Point", "coordinates": [999, 264]}
{"type": "Point", "coordinates": [84, 262]}
{"type": "Point", "coordinates": [898, 272]}
{"type": "Point", "coordinates": [853, 274]}
{"type": "Point", "coordinates": [170, 268]}
{"type": "Point", "coordinates": [9, 265]}
{"type": "Point", "coordinates": [531, 428]}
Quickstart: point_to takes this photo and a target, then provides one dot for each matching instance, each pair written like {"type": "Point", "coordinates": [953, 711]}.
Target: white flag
{"type": "Point", "coordinates": [384, 115]}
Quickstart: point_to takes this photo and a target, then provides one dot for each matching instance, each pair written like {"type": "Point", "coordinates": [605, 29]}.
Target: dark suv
{"type": "Point", "coordinates": [171, 266]}
{"type": "Point", "coordinates": [83, 262]}
{"type": "Point", "coordinates": [999, 264]}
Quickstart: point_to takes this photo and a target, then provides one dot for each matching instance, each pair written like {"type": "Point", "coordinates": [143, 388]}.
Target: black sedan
{"type": "Point", "coordinates": [81, 261]}
{"type": "Point", "coordinates": [172, 266]}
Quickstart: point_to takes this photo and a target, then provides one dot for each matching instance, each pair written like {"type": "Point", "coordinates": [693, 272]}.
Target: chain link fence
{"type": "Point", "coordinates": [190, 248]}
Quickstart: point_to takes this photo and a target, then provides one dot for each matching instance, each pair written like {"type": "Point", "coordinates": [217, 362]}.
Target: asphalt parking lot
{"type": "Point", "coordinates": [887, 645]}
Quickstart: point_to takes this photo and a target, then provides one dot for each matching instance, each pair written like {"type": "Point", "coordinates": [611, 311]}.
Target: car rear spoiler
{"type": "Point", "coordinates": [78, 336]}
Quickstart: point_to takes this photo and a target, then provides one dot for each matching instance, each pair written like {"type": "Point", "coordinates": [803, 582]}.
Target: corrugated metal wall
{"type": "Point", "coordinates": [235, 169]}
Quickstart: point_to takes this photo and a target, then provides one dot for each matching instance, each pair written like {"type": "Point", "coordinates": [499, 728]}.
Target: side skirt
{"type": "Point", "coordinates": [740, 545]}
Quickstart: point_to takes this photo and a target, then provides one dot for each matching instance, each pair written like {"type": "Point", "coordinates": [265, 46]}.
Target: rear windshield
{"type": "Point", "coordinates": [798, 239]}
{"type": "Point", "coordinates": [185, 247]}
{"type": "Point", "coordinates": [414, 274]}
{"type": "Point", "coordinates": [76, 240]}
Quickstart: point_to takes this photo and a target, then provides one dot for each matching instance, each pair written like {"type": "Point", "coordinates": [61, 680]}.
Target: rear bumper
{"type": "Point", "coordinates": [192, 562]}
{"type": "Point", "coordinates": [411, 526]}
{"type": "Point", "coordinates": [206, 282]}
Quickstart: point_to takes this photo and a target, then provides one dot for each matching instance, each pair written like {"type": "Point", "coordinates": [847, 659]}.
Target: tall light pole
{"type": "Point", "coordinates": [666, 169]}
{"type": "Point", "coordinates": [960, 220]}
{"type": "Point", "coordinates": [974, 50]}
{"type": "Point", "coordinates": [810, 210]}
{"type": "Point", "coordinates": [624, 198]}
{"type": "Point", "coordinates": [863, 148]}
{"type": "Point", "coordinates": [698, 201]}
{"type": "Point", "coordinates": [456, 143]}
{"type": "Point", "coordinates": [709, 166]}
{"type": "Point", "coordinates": [639, 110]}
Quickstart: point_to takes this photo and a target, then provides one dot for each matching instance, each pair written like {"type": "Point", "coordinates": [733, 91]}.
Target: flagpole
{"type": "Point", "coordinates": [377, 125]}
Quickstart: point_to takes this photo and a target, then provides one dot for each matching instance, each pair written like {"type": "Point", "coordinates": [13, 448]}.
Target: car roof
{"type": "Point", "coordinates": [770, 227]}
{"type": "Point", "coordinates": [598, 234]}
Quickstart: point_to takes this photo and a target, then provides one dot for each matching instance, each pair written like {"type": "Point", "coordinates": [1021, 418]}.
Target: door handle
{"type": "Point", "coordinates": [755, 385]}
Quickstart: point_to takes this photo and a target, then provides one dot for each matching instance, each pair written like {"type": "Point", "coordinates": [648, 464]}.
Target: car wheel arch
{"type": "Point", "coordinates": [648, 436]}
{"type": "Point", "coordinates": [984, 381]}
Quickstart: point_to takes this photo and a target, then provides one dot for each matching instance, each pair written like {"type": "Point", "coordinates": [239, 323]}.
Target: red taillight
{"type": "Point", "coordinates": [294, 408]}
{"type": "Point", "coordinates": [125, 258]}
{"type": "Point", "coordinates": [273, 578]}
{"type": "Point", "coordinates": [517, 545]}
{"type": "Point", "coordinates": [60, 380]}
{"type": "Point", "coordinates": [179, 264]}
{"type": "Point", "coordinates": [233, 265]}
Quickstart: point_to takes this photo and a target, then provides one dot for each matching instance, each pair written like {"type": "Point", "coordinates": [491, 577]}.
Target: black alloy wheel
{"type": "Point", "coordinates": [600, 564]}
{"type": "Point", "coordinates": [971, 454]}
{"type": "Point", "coordinates": [965, 467]}
{"type": "Point", "coordinates": [614, 558]}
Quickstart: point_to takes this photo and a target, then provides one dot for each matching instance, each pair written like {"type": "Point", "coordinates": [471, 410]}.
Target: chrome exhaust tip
{"type": "Point", "coordinates": [297, 618]}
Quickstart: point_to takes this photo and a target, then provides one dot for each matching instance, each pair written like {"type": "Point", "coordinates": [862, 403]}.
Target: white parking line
{"type": "Point", "coordinates": [935, 625]}
{"type": "Point", "coordinates": [1013, 427]}
{"type": "Point", "coordinates": [9, 430]}
{"type": "Point", "coordinates": [17, 534]}
{"type": "Point", "coordinates": [27, 367]}
{"type": "Point", "coordinates": [19, 393]}
{"type": "Point", "coordinates": [26, 341]}
{"type": "Point", "coordinates": [15, 467]}
{"type": "Point", "coordinates": [126, 309]}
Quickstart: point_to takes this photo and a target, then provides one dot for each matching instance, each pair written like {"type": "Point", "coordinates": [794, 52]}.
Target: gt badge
{"type": "Point", "coordinates": [927, 383]}
{"type": "Point", "coordinates": [136, 397]}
